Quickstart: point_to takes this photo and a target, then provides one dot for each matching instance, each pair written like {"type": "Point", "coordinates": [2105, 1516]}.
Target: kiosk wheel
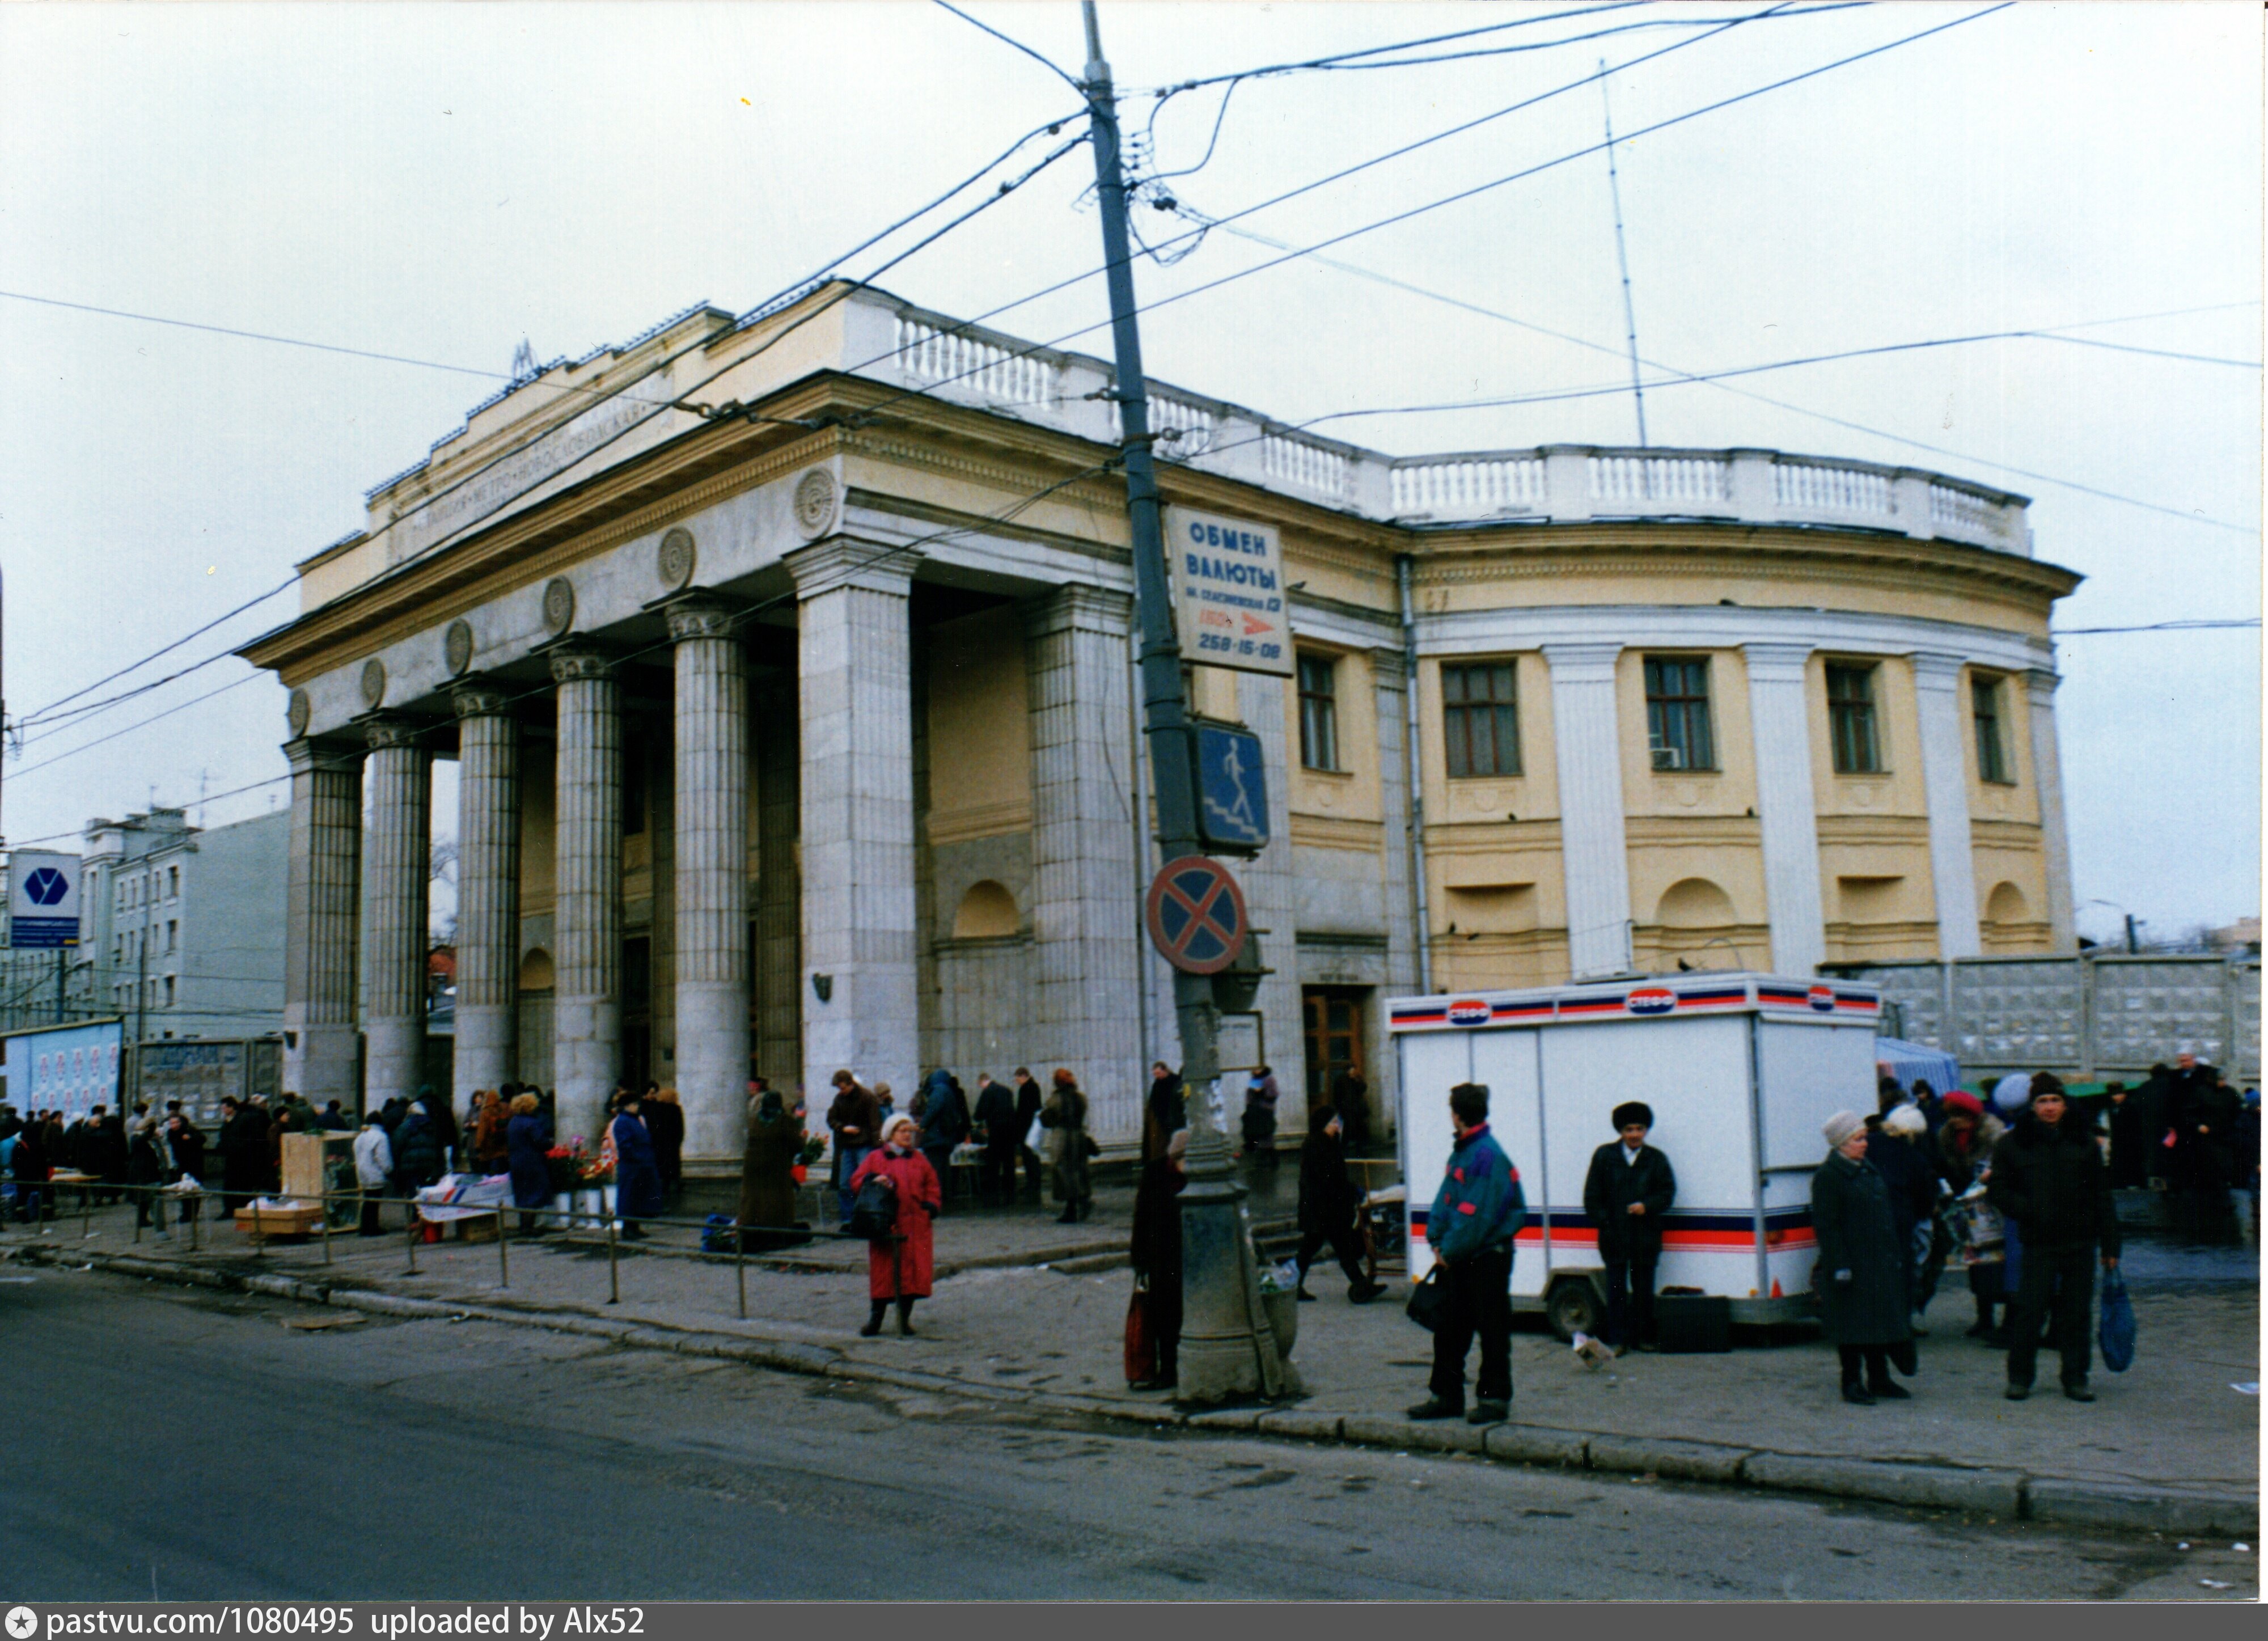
{"type": "Point", "coordinates": [1575, 1305]}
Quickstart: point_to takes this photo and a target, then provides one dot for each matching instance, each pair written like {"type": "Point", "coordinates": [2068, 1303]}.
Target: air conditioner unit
{"type": "Point", "coordinates": [1669, 758]}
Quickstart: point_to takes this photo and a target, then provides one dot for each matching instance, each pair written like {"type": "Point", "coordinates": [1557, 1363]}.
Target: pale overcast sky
{"type": "Point", "coordinates": [440, 181]}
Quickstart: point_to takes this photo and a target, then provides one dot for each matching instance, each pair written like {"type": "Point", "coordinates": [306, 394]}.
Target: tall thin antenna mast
{"type": "Point", "coordinates": [1622, 254]}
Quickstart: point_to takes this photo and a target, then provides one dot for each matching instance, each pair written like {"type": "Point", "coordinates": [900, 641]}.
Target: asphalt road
{"type": "Point", "coordinates": [195, 1446]}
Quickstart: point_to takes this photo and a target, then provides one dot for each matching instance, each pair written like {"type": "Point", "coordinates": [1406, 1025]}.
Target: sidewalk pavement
{"type": "Point", "coordinates": [2170, 1445]}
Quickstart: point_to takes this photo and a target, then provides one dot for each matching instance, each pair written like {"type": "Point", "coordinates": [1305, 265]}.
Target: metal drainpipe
{"type": "Point", "coordinates": [1416, 778]}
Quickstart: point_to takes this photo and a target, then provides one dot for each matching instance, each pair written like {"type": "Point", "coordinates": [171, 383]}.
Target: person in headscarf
{"type": "Point", "coordinates": [1964, 1154]}
{"type": "Point", "coordinates": [1861, 1275]}
{"type": "Point", "coordinates": [637, 1179]}
{"type": "Point", "coordinates": [1064, 1116]}
{"type": "Point", "coordinates": [1895, 1154]}
{"type": "Point", "coordinates": [768, 1160]}
{"type": "Point", "coordinates": [900, 1269]}
{"type": "Point", "coordinates": [1156, 1255]}
{"type": "Point", "coordinates": [1330, 1206]}
{"type": "Point", "coordinates": [445, 1125]}
{"type": "Point", "coordinates": [492, 1135]}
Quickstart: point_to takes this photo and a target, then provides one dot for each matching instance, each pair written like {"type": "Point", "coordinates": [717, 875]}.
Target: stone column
{"type": "Point", "coordinates": [1087, 1011]}
{"type": "Point", "coordinates": [398, 853]}
{"type": "Point", "coordinates": [1779, 719]}
{"type": "Point", "coordinates": [2055, 838]}
{"type": "Point", "coordinates": [488, 886]}
{"type": "Point", "coordinates": [854, 663]}
{"type": "Point", "coordinates": [1944, 781]}
{"type": "Point", "coordinates": [712, 950]}
{"type": "Point", "coordinates": [588, 914]}
{"type": "Point", "coordinates": [322, 922]}
{"type": "Point", "coordinates": [778, 979]}
{"type": "Point", "coordinates": [1595, 857]}
{"type": "Point", "coordinates": [1271, 895]}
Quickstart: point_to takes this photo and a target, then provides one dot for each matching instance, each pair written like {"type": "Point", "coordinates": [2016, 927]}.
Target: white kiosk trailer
{"type": "Point", "coordinates": [1741, 1070]}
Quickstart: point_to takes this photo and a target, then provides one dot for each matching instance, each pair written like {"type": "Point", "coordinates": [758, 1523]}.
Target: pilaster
{"type": "Point", "coordinates": [1593, 849]}
{"type": "Point", "coordinates": [1272, 896]}
{"type": "Point", "coordinates": [2055, 838]}
{"type": "Point", "coordinates": [1945, 782]}
{"type": "Point", "coordinates": [1779, 719]}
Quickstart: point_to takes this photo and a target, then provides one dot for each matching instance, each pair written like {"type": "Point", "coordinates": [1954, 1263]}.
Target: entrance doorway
{"type": "Point", "coordinates": [1333, 1016]}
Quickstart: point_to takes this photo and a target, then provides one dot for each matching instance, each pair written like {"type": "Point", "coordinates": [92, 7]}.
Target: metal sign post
{"type": "Point", "coordinates": [1223, 1355]}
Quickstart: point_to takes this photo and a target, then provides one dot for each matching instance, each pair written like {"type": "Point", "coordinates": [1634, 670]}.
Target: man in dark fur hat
{"type": "Point", "coordinates": [1629, 1189]}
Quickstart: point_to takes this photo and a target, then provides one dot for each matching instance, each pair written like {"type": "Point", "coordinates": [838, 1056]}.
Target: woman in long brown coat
{"type": "Point", "coordinates": [768, 1176]}
{"type": "Point", "coordinates": [1064, 1118]}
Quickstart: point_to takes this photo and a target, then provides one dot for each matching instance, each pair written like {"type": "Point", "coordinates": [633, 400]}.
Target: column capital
{"type": "Point", "coordinates": [1078, 605]}
{"type": "Point", "coordinates": [698, 615]}
{"type": "Point", "coordinates": [2040, 683]}
{"type": "Point", "coordinates": [384, 729]}
{"type": "Point", "coordinates": [1390, 666]}
{"type": "Point", "coordinates": [1777, 661]}
{"type": "Point", "coordinates": [842, 561]}
{"type": "Point", "coordinates": [573, 663]}
{"type": "Point", "coordinates": [481, 698]}
{"type": "Point", "coordinates": [1937, 669]}
{"type": "Point", "coordinates": [308, 755]}
{"type": "Point", "coordinates": [1590, 662]}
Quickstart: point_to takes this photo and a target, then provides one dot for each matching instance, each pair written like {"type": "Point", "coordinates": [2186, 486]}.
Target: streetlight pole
{"type": "Point", "coordinates": [1224, 1354]}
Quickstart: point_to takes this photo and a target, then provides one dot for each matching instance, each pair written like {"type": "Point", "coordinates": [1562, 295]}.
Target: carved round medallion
{"type": "Point", "coordinates": [559, 606]}
{"type": "Point", "coordinates": [673, 559]}
{"type": "Point", "coordinates": [1688, 793]}
{"type": "Point", "coordinates": [815, 502]}
{"type": "Point", "coordinates": [457, 647]}
{"type": "Point", "coordinates": [373, 681]}
{"type": "Point", "coordinates": [296, 712]}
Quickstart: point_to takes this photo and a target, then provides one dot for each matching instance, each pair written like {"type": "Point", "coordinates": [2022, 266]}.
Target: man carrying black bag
{"type": "Point", "coordinates": [1475, 1214]}
{"type": "Point", "coordinates": [1628, 1190]}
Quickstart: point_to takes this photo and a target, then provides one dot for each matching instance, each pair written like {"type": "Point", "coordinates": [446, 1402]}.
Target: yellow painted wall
{"type": "Point", "coordinates": [1353, 792]}
{"type": "Point", "coordinates": [980, 766]}
{"type": "Point", "coordinates": [1991, 800]}
{"type": "Point", "coordinates": [1731, 790]}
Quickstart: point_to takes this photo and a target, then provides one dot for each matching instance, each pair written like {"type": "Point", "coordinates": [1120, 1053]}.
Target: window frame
{"type": "Point", "coordinates": [1319, 712]}
{"type": "Point", "coordinates": [1994, 765]}
{"type": "Point", "coordinates": [1687, 708]}
{"type": "Point", "coordinates": [1501, 714]}
{"type": "Point", "coordinates": [1865, 709]}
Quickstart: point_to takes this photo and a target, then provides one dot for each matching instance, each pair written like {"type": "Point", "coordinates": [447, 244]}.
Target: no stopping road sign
{"type": "Point", "coordinates": [1196, 914]}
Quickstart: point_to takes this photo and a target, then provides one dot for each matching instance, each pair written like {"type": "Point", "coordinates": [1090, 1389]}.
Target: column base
{"type": "Point", "coordinates": [394, 1064]}
{"type": "Point", "coordinates": [712, 1069]}
{"type": "Point", "coordinates": [321, 1068]}
{"type": "Point", "coordinates": [484, 1054]}
{"type": "Point", "coordinates": [587, 1058]}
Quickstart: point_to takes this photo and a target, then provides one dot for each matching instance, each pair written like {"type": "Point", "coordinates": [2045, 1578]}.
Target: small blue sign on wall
{"type": "Point", "coordinates": [1232, 790]}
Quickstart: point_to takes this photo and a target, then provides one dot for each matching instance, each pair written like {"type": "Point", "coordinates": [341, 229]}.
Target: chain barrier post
{"type": "Point", "coordinates": [503, 1253]}
{"type": "Point", "coordinates": [614, 1283]}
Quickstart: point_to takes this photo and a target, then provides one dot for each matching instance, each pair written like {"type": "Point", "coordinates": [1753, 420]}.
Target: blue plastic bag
{"type": "Point", "coordinates": [716, 1234]}
{"type": "Point", "coordinates": [2116, 1334]}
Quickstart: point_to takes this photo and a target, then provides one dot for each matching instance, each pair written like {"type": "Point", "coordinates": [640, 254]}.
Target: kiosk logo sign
{"type": "Point", "coordinates": [1651, 1000]}
{"type": "Point", "coordinates": [1228, 577]}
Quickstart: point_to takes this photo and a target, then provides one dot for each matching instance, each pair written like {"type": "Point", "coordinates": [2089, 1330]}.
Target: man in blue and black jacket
{"type": "Point", "coordinates": [1475, 1216]}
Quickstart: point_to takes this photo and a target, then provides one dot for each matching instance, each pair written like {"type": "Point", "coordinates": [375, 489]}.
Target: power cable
{"type": "Point", "coordinates": [1011, 41]}
{"type": "Point", "coordinates": [1376, 277]}
{"type": "Point", "coordinates": [139, 723]}
{"type": "Point", "coordinates": [2201, 625]}
{"type": "Point", "coordinates": [521, 447]}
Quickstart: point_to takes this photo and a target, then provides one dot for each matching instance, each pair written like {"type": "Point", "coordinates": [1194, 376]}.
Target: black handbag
{"type": "Point", "coordinates": [874, 1210]}
{"type": "Point", "coordinates": [1426, 1300]}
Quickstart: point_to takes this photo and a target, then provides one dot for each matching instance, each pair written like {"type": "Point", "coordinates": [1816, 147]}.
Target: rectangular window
{"type": "Point", "coordinates": [172, 935]}
{"type": "Point", "coordinates": [1991, 756]}
{"type": "Point", "coordinates": [1319, 712]}
{"type": "Point", "coordinates": [1851, 719]}
{"type": "Point", "coordinates": [1480, 718]}
{"type": "Point", "coordinates": [169, 991]}
{"type": "Point", "coordinates": [173, 882]}
{"type": "Point", "coordinates": [1678, 713]}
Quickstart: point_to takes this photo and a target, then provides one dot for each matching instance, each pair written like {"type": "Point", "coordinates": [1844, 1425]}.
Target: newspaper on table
{"type": "Point", "coordinates": [463, 1197]}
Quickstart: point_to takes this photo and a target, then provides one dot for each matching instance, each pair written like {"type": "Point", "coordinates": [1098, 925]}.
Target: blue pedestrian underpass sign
{"type": "Point", "coordinates": [1232, 790]}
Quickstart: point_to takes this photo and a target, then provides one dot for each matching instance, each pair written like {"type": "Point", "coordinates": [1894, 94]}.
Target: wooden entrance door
{"type": "Point", "coordinates": [1333, 1033]}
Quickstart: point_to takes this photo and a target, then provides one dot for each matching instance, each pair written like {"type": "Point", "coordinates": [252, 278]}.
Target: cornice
{"type": "Point", "coordinates": [1336, 832]}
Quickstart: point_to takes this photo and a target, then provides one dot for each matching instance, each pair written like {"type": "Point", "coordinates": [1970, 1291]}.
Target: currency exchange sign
{"type": "Point", "coordinates": [1230, 607]}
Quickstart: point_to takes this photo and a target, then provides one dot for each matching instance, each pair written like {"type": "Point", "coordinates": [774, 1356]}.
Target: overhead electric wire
{"type": "Point", "coordinates": [72, 752]}
{"type": "Point", "coordinates": [2197, 624]}
{"type": "Point", "coordinates": [521, 447]}
{"type": "Point", "coordinates": [1011, 40]}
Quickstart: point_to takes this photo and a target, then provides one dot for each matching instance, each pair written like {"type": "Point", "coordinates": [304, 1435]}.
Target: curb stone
{"type": "Point", "coordinates": [1985, 1492]}
{"type": "Point", "coordinates": [1685, 1460]}
{"type": "Point", "coordinates": [1444, 1436]}
{"type": "Point", "coordinates": [1532, 1444]}
{"type": "Point", "coordinates": [2142, 1508]}
{"type": "Point", "coordinates": [2009, 1494]}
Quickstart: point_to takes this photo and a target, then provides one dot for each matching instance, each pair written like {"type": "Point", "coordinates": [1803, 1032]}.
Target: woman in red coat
{"type": "Point", "coordinates": [900, 1269]}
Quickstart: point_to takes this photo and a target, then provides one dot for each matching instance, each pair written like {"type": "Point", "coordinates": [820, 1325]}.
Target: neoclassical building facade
{"type": "Point", "coordinates": [787, 664]}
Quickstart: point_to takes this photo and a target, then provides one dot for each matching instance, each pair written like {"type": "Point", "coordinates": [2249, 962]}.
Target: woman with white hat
{"type": "Point", "coordinates": [901, 1267]}
{"type": "Point", "coordinates": [1861, 1275]}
